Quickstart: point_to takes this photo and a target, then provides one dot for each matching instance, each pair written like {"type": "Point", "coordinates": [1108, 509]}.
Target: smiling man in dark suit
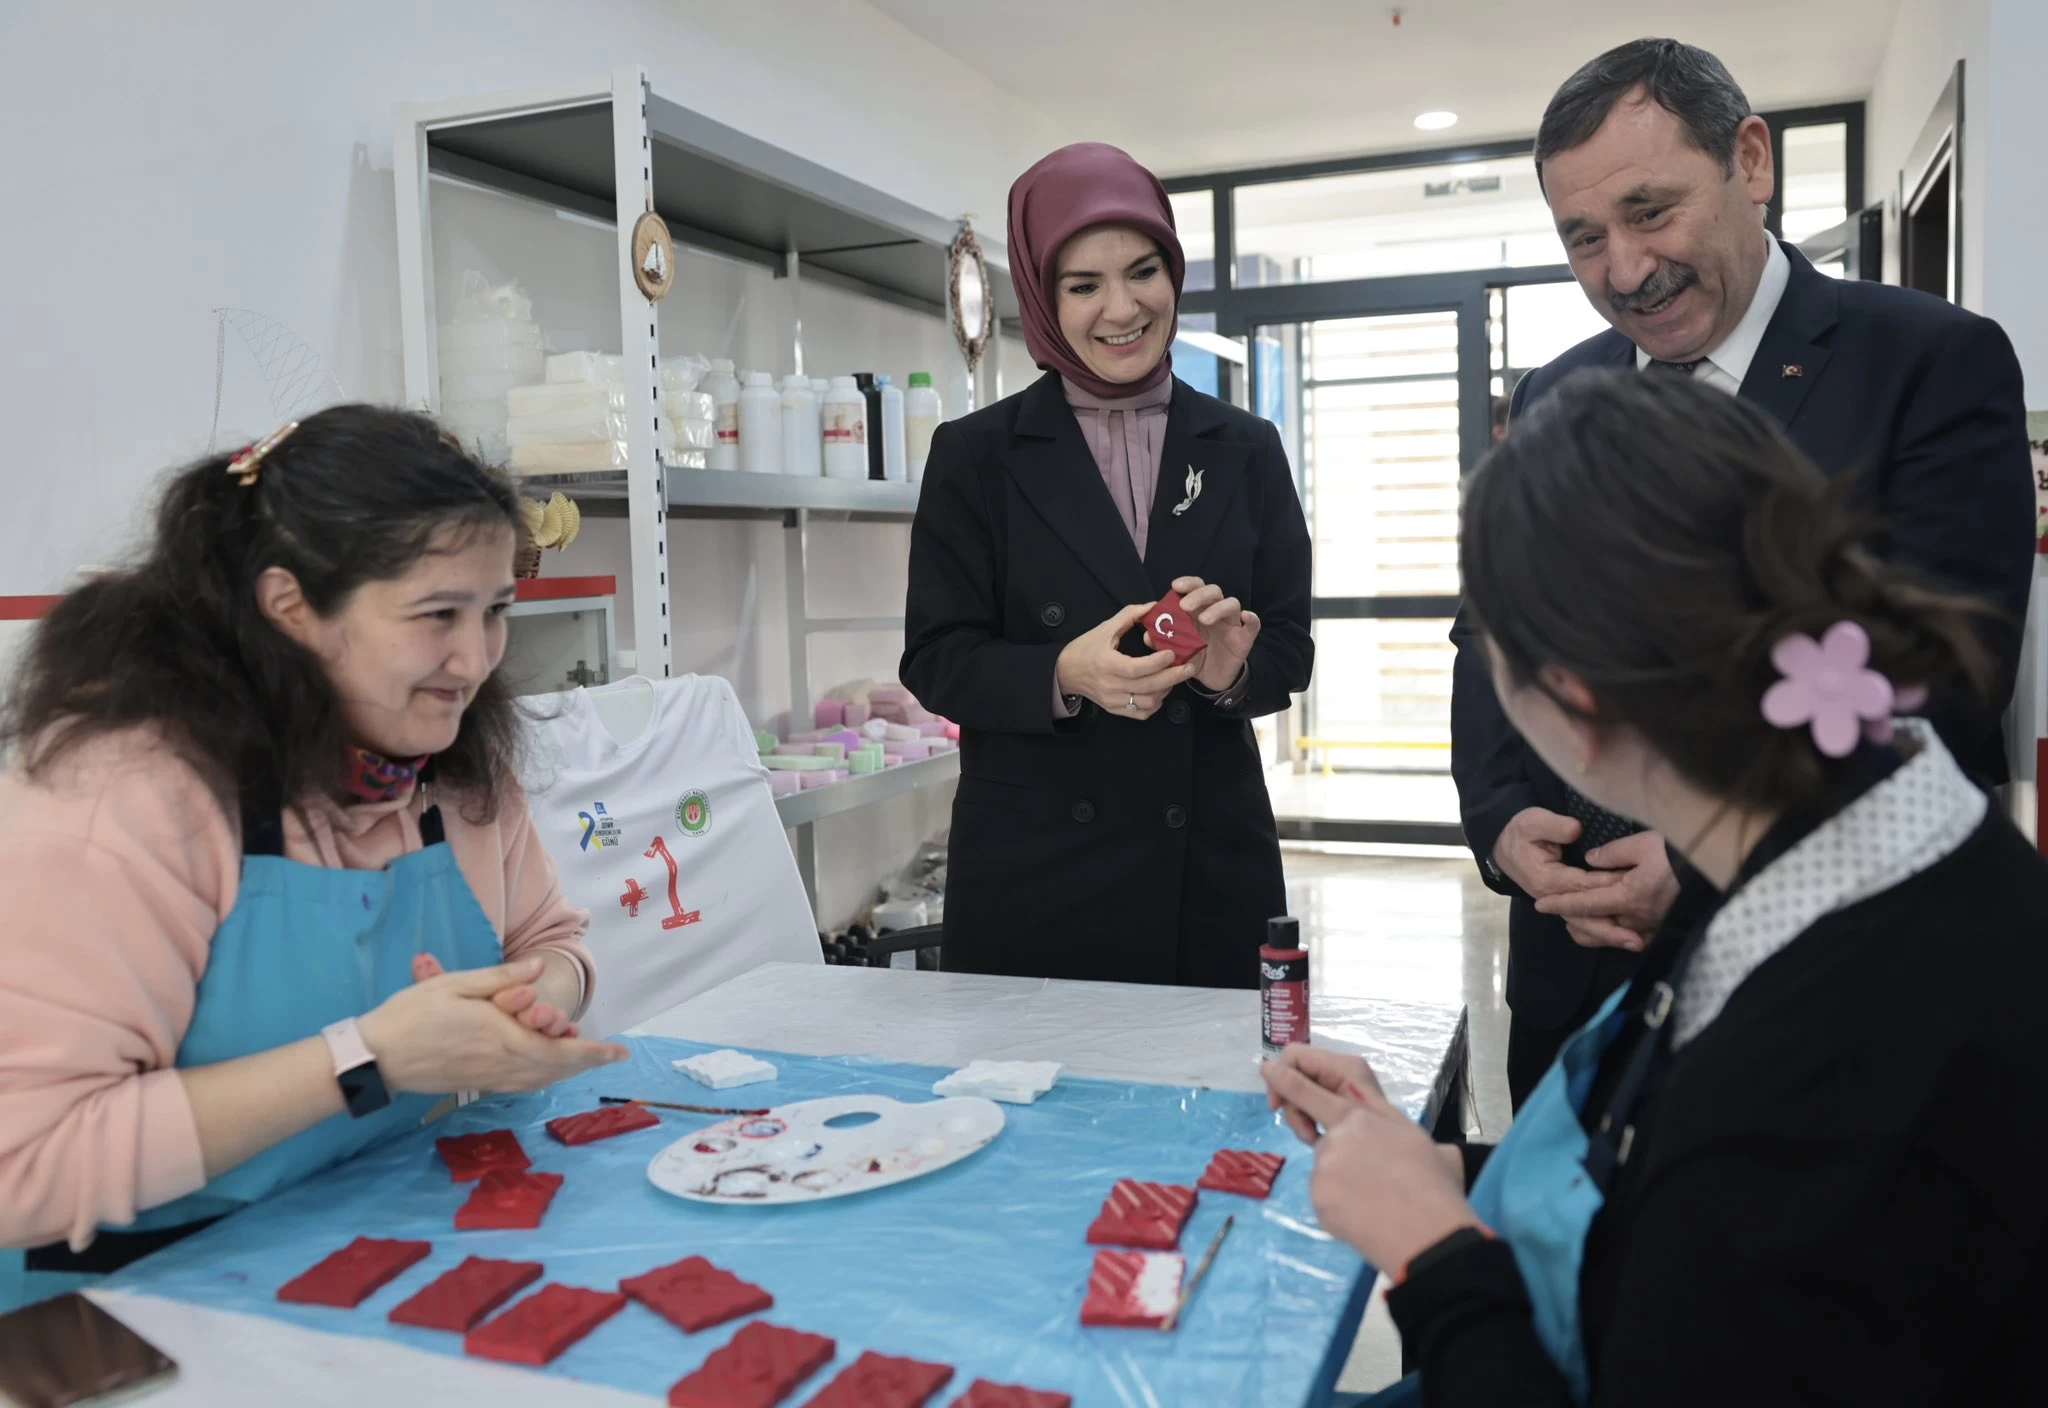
{"type": "Point", "coordinates": [1657, 175]}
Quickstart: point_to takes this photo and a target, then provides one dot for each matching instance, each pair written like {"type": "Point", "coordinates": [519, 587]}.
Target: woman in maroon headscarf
{"type": "Point", "coordinates": [1112, 820]}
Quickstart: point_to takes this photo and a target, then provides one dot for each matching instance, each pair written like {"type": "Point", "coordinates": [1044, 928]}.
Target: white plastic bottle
{"type": "Point", "coordinates": [922, 412]}
{"type": "Point", "coordinates": [894, 465]}
{"type": "Point", "coordinates": [821, 387]}
{"type": "Point", "coordinates": [846, 430]}
{"type": "Point", "coordinates": [725, 399]}
{"type": "Point", "coordinates": [761, 425]}
{"type": "Point", "coordinates": [803, 451]}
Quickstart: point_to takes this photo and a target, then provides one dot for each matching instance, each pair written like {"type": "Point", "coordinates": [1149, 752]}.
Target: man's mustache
{"type": "Point", "coordinates": [1669, 281]}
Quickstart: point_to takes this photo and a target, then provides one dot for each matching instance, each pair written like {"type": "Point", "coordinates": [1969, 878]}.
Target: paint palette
{"type": "Point", "coordinates": [817, 1149]}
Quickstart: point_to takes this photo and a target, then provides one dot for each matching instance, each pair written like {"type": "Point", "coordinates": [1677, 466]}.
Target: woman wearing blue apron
{"type": "Point", "coordinates": [1802, 1157]}
{"type": "Point", "coordinates": [273, 889]}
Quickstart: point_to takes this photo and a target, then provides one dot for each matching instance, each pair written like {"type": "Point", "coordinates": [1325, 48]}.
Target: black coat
{"type": "Point", "coordinates": [1102, 846]}
{"type": "Point", "coordinates": [1924, 400]}
{"type": "Point", "coordinates": [1833, 1195]}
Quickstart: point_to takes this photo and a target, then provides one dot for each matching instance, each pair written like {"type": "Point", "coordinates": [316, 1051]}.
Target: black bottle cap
{"type": "Point", "coordinates": [1283, 932]}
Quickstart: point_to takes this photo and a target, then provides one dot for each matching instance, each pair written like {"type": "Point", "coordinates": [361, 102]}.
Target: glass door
{"type": "Point", "coordinates": [1383, 413]}
{"type": "Point", "coordinates": [1370, 407]}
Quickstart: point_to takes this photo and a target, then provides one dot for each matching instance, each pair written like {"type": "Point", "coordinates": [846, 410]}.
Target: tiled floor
{"type": "Point", "coordinates": [1414, 925]}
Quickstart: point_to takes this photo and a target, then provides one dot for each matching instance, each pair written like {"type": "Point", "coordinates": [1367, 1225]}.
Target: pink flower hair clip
{"type": "Point", "coordinates": [1828, 685]}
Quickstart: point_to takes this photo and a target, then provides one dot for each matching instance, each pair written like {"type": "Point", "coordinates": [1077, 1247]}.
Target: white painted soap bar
{"type": "Point", "coordinates": [1012, 1082]}
{"type": "Point", "coordinates": [722, 1070]}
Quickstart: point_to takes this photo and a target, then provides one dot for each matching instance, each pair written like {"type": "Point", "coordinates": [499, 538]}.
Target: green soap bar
{"type": "Point", "coordinates": [766, 741]}
{"type": "Point", "coordinates": [779, 763]}
{"type": "Point", "coordinates": [862, 764]}
{"type": "Point", "coordinates": [835, 751]}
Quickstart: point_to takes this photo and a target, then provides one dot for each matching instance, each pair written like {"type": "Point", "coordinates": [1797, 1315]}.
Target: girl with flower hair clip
{"type": "Point", "coordinates": [1800, 1157]}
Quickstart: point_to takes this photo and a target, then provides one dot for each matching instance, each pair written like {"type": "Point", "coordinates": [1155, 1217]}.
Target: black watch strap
{"type": "Point", "coordinates": [355, 1070]}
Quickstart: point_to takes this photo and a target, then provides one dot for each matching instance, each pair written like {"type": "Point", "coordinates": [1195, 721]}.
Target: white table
{"type": "Point", "coordinates": [1175, 1036]}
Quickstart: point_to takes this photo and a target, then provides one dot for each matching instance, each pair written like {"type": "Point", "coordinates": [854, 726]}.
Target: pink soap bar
{"type": "Point", "coordinates": [952, 730]}
{"type": "Point", "coordinates": [903, 733]}
{"type": "Point", "coordinates": [932, 728]}
{"type": "Point", "coordinates": [830, 713]}
{"type": "Point", "coordinates": [888, 694]}
{"type": "Point", "coordinates": [785, 784]}
{"type": "Point", "coordinates": [942, 745]}
{"type": "Point", "coordinates": [917, 751]}
{"type": "Point", "coordinates": [856, 714]}
{"type": "Point", "coordinates": [892, 760]}
{"type": "Point", "coordinates": [823, 777]}
{"type": "Point", "coordinates": [811, 736]}
{"type": "Point", "coordinates": [846, 737]}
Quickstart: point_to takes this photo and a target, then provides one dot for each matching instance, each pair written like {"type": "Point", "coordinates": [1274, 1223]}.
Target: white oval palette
{"type": "Point", "coordinates": [817, 1149]}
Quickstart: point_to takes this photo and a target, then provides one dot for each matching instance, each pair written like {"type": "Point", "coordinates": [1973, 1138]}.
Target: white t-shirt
{"type": "Point", "coordinates": [670, 840]}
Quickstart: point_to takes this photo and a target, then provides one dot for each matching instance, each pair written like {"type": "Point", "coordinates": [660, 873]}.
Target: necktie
{"type": "Point", "coordinates": [1597, 825]}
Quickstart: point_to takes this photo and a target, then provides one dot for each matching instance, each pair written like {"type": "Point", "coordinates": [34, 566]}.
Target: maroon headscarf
{"type": "Point", "coordinates": [1076, 189]}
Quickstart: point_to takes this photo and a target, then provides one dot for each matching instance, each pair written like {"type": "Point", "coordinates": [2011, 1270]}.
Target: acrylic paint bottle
{"type": "Point", "coordinates": [1283, 986]}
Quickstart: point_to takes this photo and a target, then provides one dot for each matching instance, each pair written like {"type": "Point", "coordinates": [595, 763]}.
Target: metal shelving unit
{"type": "Point", "coordinates": [610, 149]}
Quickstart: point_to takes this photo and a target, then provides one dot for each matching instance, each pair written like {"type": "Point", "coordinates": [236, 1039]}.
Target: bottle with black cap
{"type": "Point", "coordinates": [1283, 986]}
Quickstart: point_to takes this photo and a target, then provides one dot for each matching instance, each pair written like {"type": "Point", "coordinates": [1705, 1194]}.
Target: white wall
{"type": "Point", "coordinates": [2015, 122]}
{"type": "Point", "coordinates": [1928, 36]}
{"type": "Point", "coordinates": [164, 161]}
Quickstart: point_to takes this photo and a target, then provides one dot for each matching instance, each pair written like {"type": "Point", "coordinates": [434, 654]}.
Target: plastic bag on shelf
{"type": "Point", "coordinates": [692, 434]}
{"type": "Point", "coordinates": [684, 459]}
{"type": "Point", "coordinates": [569, 459]}
{"type": "Point", "coordinates": [683, 374]}
{"type": "Point", "coordinates": [590, 399]}
{"type": "Point", "coordinates": [688, 405]}
{"type": "Point", "coordinates": [567, 428]}
{"type": "Point", "coordinates": [600, 368]}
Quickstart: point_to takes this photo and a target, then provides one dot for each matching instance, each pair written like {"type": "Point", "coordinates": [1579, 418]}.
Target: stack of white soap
{"type": "Point", "coordinates": [723, 1070]}
{"type": "Point", "coordinates": [1012, 1082]}
{"type": "Point", "coordinates": [576, 421]}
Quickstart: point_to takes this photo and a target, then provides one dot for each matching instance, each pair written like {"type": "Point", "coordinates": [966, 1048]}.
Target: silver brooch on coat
{"type": "Point", "coordinates": [1194, 491]}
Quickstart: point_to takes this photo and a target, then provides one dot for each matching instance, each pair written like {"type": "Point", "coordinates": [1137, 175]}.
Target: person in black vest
{"type": "Point", "coordinates": [1112, 820]}
{"type": "Point", "coordinates": [1799, 1159]}
{"type": "Point", "coordinates": [1657, 175]}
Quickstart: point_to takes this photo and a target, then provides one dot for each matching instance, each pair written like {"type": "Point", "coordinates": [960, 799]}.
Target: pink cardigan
{"type": "Point", "coordinates": [119, 869]}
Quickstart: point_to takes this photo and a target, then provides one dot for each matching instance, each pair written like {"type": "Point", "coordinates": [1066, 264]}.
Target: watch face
{"type": "Point", "coordinates": [363, 1089]}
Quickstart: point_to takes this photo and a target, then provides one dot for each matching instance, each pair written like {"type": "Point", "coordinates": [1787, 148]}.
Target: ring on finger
{"type": "Point", "coordinates": [1131, 703]}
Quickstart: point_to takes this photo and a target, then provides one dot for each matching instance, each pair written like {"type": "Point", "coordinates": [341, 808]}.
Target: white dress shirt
{"type": "Point", "coordinates": [1726, 365]}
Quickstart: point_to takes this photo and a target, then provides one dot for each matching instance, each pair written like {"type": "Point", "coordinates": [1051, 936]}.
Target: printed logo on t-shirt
{"type": "Point", "coordinates": [693, 813]}
{"type": "Point", "coordinates": [600, 829]}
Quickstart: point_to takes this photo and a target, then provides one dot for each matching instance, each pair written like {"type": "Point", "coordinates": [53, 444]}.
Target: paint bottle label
{"type": "Point", "coordinates": [845, 425]}
{"type": "Point", "coordinates": [728, 423]}
{"type": "Point", "coordinates": [1283, 997]}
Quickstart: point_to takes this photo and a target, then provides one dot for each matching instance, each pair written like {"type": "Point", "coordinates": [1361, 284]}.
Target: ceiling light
{"type": "Point", "coordinates": [1436, 121]}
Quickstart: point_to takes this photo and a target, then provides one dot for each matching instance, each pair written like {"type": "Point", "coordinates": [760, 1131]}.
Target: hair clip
{"type": "Point", "coordinates": [245, 466]}
{"type": "Point", "coordinates": [1828, 686]}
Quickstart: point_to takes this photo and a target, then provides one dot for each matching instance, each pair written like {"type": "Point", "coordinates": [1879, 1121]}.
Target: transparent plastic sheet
{"type": "Point", "coordinates": [981, 1266]}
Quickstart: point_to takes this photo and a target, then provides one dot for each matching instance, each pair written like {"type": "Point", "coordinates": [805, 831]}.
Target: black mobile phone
{"type": "Point", "coordinates": [67, 1350]}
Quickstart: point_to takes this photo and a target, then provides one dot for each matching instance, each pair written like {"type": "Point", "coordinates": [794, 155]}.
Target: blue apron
{"type": "Point", "coordinates": [304, 946]}
{"type": "Point", "coordinates": [1548, 1178]}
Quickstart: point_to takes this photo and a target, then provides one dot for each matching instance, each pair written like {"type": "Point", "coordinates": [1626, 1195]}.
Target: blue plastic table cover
{"type": "Point", "coordinates": [982, 1265]}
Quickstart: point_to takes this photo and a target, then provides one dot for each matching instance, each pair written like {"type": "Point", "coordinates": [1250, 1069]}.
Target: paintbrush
{"type": "Point", "coordinates": [671, 1105]}
{"type": "Point", "coordinates": [1201, 1269]}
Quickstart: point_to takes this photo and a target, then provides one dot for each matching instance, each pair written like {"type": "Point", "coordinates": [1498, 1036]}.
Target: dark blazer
{"type": "Point", "coordinates": [1923, 401]}
{"type": "Point", "coordinates": [1102, 846]}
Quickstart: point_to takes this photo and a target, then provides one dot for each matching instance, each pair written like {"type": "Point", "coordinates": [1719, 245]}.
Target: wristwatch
{"type": "Point", "coordinates": [355, 1069]}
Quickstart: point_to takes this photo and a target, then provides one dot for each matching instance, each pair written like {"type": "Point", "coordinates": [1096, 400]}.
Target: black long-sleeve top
{"type": "Point", "coordinates": [1837, 1193]}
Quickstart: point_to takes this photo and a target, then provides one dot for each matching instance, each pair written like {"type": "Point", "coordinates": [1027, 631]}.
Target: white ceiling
{"type": "Point", "coordinates": [1203, 85]}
